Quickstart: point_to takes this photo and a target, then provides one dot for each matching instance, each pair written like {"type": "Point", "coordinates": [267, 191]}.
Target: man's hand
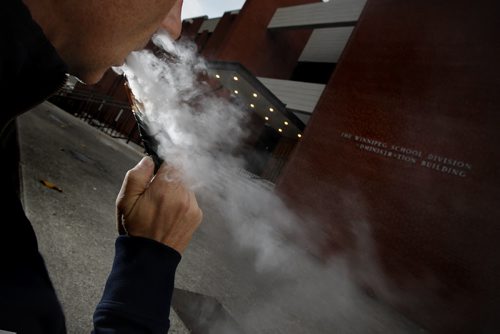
{"type": "Point", "coordinates": [157, 207]}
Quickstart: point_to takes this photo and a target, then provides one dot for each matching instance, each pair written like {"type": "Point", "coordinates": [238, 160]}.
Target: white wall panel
{"type": "Point", "coordinates": [302, 96]}
{"type": "Point", "coordinates": [318, 14]}
{"type": "Point", "coordinates": [326, 45]}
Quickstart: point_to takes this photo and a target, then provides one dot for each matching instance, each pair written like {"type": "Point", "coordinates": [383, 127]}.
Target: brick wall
{"type": "Point", "coordinates": [264, 53]}
{"type": "Point", "coordinates": [422, 76]}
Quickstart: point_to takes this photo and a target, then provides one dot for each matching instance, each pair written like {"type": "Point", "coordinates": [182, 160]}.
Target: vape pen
{"type": "Point", "coordinates": [149, 142]}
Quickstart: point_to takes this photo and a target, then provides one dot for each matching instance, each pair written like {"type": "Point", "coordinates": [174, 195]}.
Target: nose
{"type": "Point", "coordinates": [172, 23]}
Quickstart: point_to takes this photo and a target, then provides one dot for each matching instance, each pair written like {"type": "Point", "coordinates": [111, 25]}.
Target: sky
{"type": "Point", "coordinates": [212, 8]}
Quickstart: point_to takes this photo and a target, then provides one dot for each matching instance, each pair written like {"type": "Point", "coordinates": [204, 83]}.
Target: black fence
{"type": "Point", "coordinates": [112, 116]}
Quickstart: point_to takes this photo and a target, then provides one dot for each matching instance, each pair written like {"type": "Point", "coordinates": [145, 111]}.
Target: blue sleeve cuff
{"type": "Point", "coordinates": [139, 288]}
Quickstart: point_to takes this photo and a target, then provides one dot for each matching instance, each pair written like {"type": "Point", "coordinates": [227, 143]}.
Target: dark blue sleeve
{"type": "Point", "coordinates": [28, 302]}
{"type": "Point", "coordinates": [138, 292]}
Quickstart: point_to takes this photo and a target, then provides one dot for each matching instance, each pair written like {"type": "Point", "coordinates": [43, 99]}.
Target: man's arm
{"type": "Point", "coordinates": [139, 289]}
{"type": "Point", "coordinates": [157, 216]}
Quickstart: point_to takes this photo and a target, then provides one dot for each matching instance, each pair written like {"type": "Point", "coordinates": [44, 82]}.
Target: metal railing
{"type": "Point", "coordinates": [111, 116]}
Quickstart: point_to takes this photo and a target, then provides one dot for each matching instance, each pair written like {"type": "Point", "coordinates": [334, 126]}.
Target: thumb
{"type": "Point", "coordinates": [138, 178]}
{"type": "Point", "coordinates": [135, 184]}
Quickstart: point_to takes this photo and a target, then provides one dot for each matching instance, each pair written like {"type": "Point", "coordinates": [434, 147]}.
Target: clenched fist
{"type": "Point", "coordinates": [157, 207]}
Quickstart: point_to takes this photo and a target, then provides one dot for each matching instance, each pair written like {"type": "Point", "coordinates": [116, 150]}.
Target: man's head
{"type": "Point", "coordinates": [93, 35]}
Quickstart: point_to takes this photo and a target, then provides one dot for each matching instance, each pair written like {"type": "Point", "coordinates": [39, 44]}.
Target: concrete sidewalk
{"type": "Point", "coordinates": [76, 233]}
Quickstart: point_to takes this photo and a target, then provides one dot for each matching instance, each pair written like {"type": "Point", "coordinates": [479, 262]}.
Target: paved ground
{"type": "Point", "coordinates": [76, 234]}
{"type": "Point", "coordinates": [75, 228]}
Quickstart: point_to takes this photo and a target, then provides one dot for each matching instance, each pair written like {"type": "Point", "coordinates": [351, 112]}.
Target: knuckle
{"type": "Point", "coordinates": [183, 203]}
{"type": "Point", "coordinates": [199, 216]}
{"type": "Point", "coordinates": [167, 181]}
{"type": "Point", "coordinates": [120, 201]}
{"type": "Point", "coordinates": [161, 196]}
{"type": "Point", "coordinates": [130, 174]}
{"type": "Point", "coordinates": [195, 215]}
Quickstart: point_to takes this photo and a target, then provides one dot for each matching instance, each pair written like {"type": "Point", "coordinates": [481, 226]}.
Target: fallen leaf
{"type": "Point", "coordinates": [50, 185]}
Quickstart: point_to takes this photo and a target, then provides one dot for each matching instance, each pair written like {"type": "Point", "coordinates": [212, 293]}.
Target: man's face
{"type": "Point", "coordinates": [104, 32]}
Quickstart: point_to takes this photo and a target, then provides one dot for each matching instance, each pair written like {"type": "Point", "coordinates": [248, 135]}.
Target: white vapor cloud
{"type": "Point", "coordinates": [200, 134]}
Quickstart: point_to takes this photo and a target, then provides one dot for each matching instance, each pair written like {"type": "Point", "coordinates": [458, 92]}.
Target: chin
{"type": "Point", "coordinates": [90, 77]}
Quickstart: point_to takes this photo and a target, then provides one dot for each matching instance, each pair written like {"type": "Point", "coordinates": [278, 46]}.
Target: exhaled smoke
{"type": "Point", "coordinates": [199, 133]}
{"type": "Point", "coordinates": [201, 138]}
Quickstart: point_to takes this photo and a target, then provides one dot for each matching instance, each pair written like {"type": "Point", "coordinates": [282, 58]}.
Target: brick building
{"type": "Point", "coordinates": [380, 119]}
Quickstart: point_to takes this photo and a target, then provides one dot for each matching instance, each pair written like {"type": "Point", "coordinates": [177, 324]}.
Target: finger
{"type": "Point", "coordinates": [135, 183]}
{"type": "Point", "coordinates": [169, 173]}
{"type": "Point", "coordinates": [120, 226]}
{"type": "Point", "coordinates": [195, 214]}
{"type": "Point", "coordinates": [138, 178]}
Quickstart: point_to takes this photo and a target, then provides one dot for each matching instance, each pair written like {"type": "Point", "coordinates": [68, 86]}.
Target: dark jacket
{"type": "Point", "coordinates": [138, 292]}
